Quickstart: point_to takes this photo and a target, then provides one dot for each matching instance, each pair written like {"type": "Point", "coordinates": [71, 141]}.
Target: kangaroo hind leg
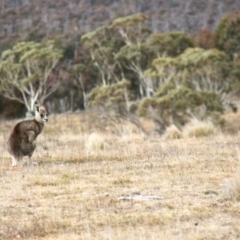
{"type": "Point", "coordinates": [16, 161]}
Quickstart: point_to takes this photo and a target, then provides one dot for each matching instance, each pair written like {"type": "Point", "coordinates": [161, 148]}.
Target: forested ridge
{"type": "Point", "coordinates": [169, 61]}
{"type": "Point", "coordinates": [19, 18]}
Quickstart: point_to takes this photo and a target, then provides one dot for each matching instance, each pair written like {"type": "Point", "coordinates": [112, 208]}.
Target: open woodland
{"type": "Point", "coordinates": [82, 172]}
{"type": "Point", "coordinates": [143, 134]}
{"type": "Point", "coordinates": [105, 41]}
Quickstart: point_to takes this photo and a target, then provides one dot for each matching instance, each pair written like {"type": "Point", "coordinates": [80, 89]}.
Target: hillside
{"type": "Point", "coordinates": [23, 19]}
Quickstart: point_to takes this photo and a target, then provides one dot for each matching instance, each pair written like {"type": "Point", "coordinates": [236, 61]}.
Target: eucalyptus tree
{"type": "Point", "coordinates": [133, 58]}
{"type": "Point", "coordinates": [227, 34]}
{"type": "Point", "coordinates": [168, 44]}
{"type": "Point", "coordinates": [131, 28]}
{"type": "Point", "coordinates": [102, 44]}
{"type": "Point", "coordinates": [202, 70]}
{"type": "Point", "coordinates": [201, 85]}
{"type": "Point", "coordinates": [163, 46]}
{"type": "Point", "coordinates": [78, 71]}
{"type": "Point", "coordinates": [132, 55]}
{"type": "Point", "coordinates": [114, 103]}
{"type": "Point", "coordinates": [177, 105]}
{"type": "Point", "coordinates": [111, 95]}
{"type": "Point", "coordinates": [25, 72]}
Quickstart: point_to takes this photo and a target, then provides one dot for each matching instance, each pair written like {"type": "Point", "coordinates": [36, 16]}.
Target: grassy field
{"type": "Point", "coordinates": [74, 191]}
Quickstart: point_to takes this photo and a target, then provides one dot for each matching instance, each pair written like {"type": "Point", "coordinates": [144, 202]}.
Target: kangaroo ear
{"type": "Point", "coordinates": [37, 107]}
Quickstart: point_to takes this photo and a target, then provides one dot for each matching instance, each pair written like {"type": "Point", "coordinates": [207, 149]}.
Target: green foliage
{"type": "Point", "coordinates": [31, 51]}
{"type": "Point", "coordinates": [34, 35]}
{"type": "Point", "coordinates": [131, 28]}
{"type": "Point", "coordinates": [194, 57]}
{"type": "Point", "coordinates": [129, 53]}
{"type": "Point", "coordinates": [165, 88]}
{"type": "Point", "coordinates": [228, 34]}
{"type": "Point", "coordinates": [197, 68]}
{"type": "Point", "coordinates": [179, 105]}
{"type": "Point", "coordinates": [103, 44]}
{"type": "Point", "coordinates": [129, 21]}
{"type": "Point", "coordinates": [25, 71]}
{"type": "Point", "coordinates": [113, 104]}
{"type": "Point", "coordinates": [201, 85]}
{"type": "Point", "coordinates": [109, 96]}
{"type": "Point", "coordinates": [94, 38]}
{"type": "Point", "coordinates": [235, 70]}
{"type": "Point", "coordinates": [183, 81]}
{"type": "Point", "coordinates": [168, 44]}
{"type": "Point", "coordinates": [207, 70]}
{"type": "Point", "coordinates": [78, 68]}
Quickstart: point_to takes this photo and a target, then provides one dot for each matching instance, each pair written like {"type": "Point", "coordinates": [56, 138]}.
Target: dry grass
{"type": "Point", "coordinates": [197, 128]}
{"type": "Point", "coordinates": [73, 193]}
{"type": "Point", "coordinates": [232, 186]}
{"type": "Point", "coordinates": [172, 132]}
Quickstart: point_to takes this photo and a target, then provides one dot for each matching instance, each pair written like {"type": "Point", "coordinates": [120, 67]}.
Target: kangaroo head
{"type": "Point", "coordinates": [41, 114]}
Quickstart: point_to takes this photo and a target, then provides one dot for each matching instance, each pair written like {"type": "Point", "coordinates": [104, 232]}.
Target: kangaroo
{"type": "Point", "coordinates": [21, 141]}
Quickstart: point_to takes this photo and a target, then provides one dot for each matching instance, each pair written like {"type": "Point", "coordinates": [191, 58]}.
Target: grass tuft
{"type": "Point", "coordinates": [232, 187]}
{"type": "Point", "coordinates": [95, 142]}
{"type": "Point", "coordinates": [198, 128]}
{"type": "Point", "coordinates": [172, 132]}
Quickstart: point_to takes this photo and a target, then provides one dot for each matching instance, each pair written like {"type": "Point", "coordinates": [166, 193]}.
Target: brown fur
{"type": "Point", "coordinates": [21, 141]}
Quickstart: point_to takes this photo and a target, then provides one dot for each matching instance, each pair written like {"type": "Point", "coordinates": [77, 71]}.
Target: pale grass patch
{"type": "Point", "coordinates": [172, 132]}
{"type": "Point", "coordinates": [198, 128]}
{"type": "Point", "coordinates": [133, 138]}
{"type": "Point", "coordinates": [125, 128]}
{"type": "Point", "coordinates": [232, 186]}
{"type": "Point", "coordinates": [69, 137]}
{"type": "Point", "coordinates": [95, 142]}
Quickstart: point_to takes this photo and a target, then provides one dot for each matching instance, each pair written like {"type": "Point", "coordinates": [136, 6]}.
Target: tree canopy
{"type": "Point", "coordinates": [27, 69]}
{"type": "Point", "coordinates": [171, 76]}
{"type": "Point", "coordinates": [228, 34]}
{"type": "Point", "coordinates": [201, 83]}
